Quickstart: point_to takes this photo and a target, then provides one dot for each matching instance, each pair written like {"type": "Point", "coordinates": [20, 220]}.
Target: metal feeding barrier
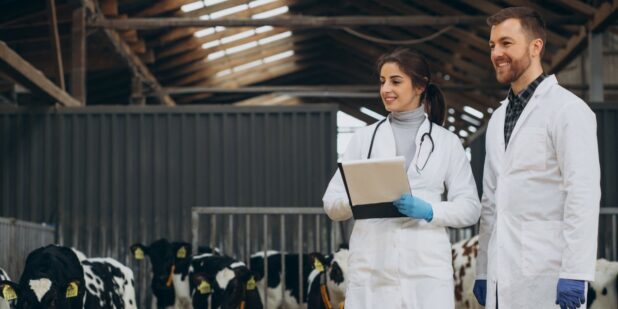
{"type": "Point", "coordinates": [241, 231]}
{"type": "Point", "coordinates": [19, 238]}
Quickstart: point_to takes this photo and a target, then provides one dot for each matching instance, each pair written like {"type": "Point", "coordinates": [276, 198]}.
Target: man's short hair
{"type": "Point", "coordinates": [531, 21]}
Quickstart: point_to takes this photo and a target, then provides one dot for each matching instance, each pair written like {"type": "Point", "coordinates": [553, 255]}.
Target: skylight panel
{"type": "Point", "coordinates": [371, 113]}
{"type": "Point", "coordinates": [248, 65]}
{"type": "Point", "coordinates": [279, 56]}
{"type": "Point", "coordinates": [212, 2]}
{"type": "Point", "coordinates": [271, 13]}
{"type": "Point", "coordinates": [263, 29]}
{"type": "Point", "coordinates": [237, 36]}
{"type": "Point", "coordinates": [463, 133]}
{"type": "Point", "coordinates": [211, 44]}
{"type": "Point", "coordinates": [257, 3]}
{"type": "Point", "coordinates": [275, 37]}
{"type": "Point", "coordinates": [242, 47]}
{"type": "Point", "coordinates": [229, 11]}
{"type": "Point", "coordinates": [471, 120]}
{"type": "Point", "coordinates": [192, 6]}
{"type": "Point", "coordinates": [216, 55]}
{"type": "Point", "coordinates": [223, 73]}
{"type": "Point", "coordinates": [205, 32]}
{"type": "Point", "coordinates": [473, 111]}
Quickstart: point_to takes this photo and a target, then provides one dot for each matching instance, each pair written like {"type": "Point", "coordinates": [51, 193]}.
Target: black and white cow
{"type": "Point", "coordinates": [273, 289]}
{"type": "Point", "coordinates": [181, 280]}
{"type": "Point", "coordinates": [60, 277]}
{"type": "Point", "coordinates": [222, 282]}
{"type": "Point", "coordinates": [170, 263]}
{"type": "Point", "coordinates": [327, 283]}
{"type": "Point", "coordinates": [6, 291]}
{"type": "Point", "coordinates": [602, 293]}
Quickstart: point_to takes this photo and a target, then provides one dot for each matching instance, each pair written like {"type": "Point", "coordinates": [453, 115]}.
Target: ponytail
{"type": "Point", "coordinates": [435, 105]}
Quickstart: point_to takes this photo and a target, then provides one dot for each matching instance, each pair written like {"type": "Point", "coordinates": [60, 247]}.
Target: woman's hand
{"type": "Point", "coordinates": [414, 207]}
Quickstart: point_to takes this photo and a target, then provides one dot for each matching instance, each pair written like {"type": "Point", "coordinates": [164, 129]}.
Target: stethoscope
{"type": "Point", "coordinates": [420, 146]}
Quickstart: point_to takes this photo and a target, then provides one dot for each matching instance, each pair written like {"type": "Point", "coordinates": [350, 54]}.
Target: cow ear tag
{"type": "Point", "coordinates": [318, 265]}
{"type": "Point", "coordinates": [138, 254]}
{"type": "Point", "coordinates": [251, 284]}
{"type": "Point", "coordinates": [181, 253]}
{"type": "Point", "coordinates": [8, 293]}
{"type": "Point", "coordinates": [72, 290]}
{"type": "Point", "coordinates": [204, 287]}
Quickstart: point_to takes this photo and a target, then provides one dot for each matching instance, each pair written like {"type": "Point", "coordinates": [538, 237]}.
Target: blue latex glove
{"type": "Point", "coordinates": [570, 293]}
{"type": "Point", "coordinates": [480, 291]}
{"type": "Point", "coordinates": [414, 207]}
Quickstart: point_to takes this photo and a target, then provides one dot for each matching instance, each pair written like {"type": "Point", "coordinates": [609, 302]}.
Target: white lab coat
{"type": "Point", "coordinates": [540, 200]}
{"type": "Point", "coordinates": [404, 262]}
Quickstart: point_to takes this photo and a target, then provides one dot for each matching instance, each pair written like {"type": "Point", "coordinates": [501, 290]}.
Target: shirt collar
{"type": "Point", "coordinates": [524, 96]}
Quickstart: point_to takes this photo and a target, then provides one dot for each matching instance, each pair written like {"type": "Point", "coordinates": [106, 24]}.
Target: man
{"type": "Point", "coordinates": [541, 187]}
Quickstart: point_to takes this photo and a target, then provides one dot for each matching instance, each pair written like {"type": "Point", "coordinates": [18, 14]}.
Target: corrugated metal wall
{"type": "Point", "coordinates": [113, 176]}
{"type": "Point", "coordinates": [18, 239]}
{"type": "Point", "coordinates": [607, 134]}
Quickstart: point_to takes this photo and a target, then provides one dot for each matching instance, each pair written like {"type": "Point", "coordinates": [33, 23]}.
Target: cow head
{"type": "Point", "coordinates": [9, 292]}
{"type": "Point", "coordinates": [52, 278]}
{"type": "Point", "coordinates": [166, 259]}
{"type": "Point", "coordinates": [603, 291]}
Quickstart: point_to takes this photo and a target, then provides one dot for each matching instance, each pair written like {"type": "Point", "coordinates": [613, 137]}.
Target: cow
{"type": "Point", "coordinates": [6, 291]}
{"type": "Point", "coordinates": [464, 272]}
{"type": "Point", "coordinates": [54, 277]}
{"type": "Point", "coordinates": [312, 279]}
{"type": "Point", "coordinates": [170, 266]}
{"type": "Point", "coordinates": [603, 291]}
{"type": "Point", "coordinates": [181, 280]}
{"type": "Point", "coordinates": [327, 283]}
{"type": "Point", "coordinates": [222, 282]}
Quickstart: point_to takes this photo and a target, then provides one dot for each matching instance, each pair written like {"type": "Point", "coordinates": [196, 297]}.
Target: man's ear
{"type": "Point", "coordinates": [9, 291]}
{"type": "Point", "coordinates": [139, 251]}
{"type": "Point", "coordinates": [182, 250]}
{"type": "Point", "coordinates": [536, 46]}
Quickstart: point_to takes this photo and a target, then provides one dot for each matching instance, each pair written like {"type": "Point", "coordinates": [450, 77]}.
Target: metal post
{"type": "Point", "coordinates": [614, 237]}
{"type": "Point", "coordinates": [283, 247]}
{"type": "Point", "coordinates": [230, 235]}
{"type": "Point", "coordinates": [300, 259]}
{"type": "Point", "coordinates": [318, 233]}
{"type": "Point", "coordinates": [595, 54]}
{"type": "Point", "coordinates": [247, 239]}
{"type": "Point", "coordinates": [265, 222]}
{"type": "Point", "coordinates": [195, 228]}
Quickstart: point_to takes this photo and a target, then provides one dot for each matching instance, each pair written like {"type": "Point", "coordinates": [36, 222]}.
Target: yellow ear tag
{"type": "Point", "coordinates": [181, 253]}
{"type": "Point", "coordinates": [318, 265]}
{"type": "Point", "coordinates": [139, 254]}
{"type": "Point", "coordinates": [204, 287]}
{"type": "Point", "coordinates": [251, 284]}
{"type": "Point", "coordinates": [8, 293]}
{"type": "Point", "coordinates": [72, 290]}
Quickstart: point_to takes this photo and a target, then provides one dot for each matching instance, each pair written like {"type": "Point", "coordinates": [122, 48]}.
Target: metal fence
{"type": "Point", "coordinates": [241, 231]}
{"type": "Point", "coordinates": [18, 239]}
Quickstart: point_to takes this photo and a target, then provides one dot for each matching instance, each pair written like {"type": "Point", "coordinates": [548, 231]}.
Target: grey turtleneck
{"type": "Point", "coordinates": [405, 127]}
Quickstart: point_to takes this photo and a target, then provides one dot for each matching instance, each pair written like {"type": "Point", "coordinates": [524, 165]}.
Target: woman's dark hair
{"type": "Point", "coordinates": [415, 65]}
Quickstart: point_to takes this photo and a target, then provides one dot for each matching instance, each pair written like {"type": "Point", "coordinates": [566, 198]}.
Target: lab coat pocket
{"type": "Point", "coordinates": [530, 149]}
{"type": "Point", "coordinates": [542, 246]}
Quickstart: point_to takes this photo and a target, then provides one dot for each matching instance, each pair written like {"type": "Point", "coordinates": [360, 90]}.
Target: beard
{"type": "Point", "coordinates": [516, 68]}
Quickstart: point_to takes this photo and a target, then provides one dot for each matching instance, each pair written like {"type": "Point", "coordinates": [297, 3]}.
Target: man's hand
{"type": "Point", "coordinates": [570, 293]}
{"type": "Point", "coordinates": [414, 207]}
{"type": "Point", "coordinates": [480, 291]}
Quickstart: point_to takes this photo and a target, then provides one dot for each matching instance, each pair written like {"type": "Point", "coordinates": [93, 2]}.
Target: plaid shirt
{"type": "Point", "coordinates": [516, 106]}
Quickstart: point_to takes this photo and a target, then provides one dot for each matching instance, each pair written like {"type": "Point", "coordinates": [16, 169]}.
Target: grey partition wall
{"type": "Point", "coordinates": [111, 176]}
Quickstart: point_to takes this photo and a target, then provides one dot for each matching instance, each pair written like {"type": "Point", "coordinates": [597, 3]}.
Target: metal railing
{"type": "Point", "coordinates": [248, 230]}
{"type": "Point", "coordinates": [17, 239]}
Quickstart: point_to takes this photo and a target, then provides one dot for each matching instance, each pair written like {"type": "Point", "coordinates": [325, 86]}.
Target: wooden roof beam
{"type": "Point", "coordinates": [299, 22]}
{"type": "Point", "coordinates": [137, 67]}
{"type": "Point", "coordinates": [605, 13]}
{"type": "Point", "coordinates": [28, 76]}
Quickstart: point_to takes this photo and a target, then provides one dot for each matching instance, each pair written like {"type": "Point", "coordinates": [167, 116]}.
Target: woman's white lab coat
{"type": "Point", "coordinates": [404, 262]}
{"type": "Point", "coordinates": [540, 200]}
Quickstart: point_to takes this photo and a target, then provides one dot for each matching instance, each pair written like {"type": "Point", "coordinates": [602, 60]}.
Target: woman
{"type": "Point", "coordinates": [405, 262]}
